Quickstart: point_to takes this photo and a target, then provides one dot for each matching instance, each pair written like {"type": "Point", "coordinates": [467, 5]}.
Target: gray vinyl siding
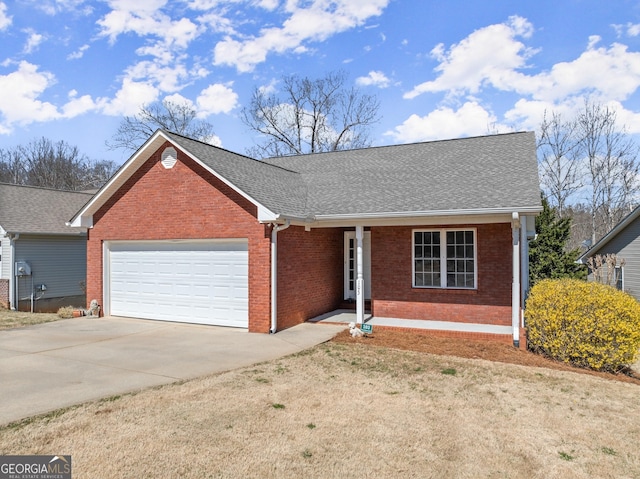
{"type": "Point", "coordinates": [59, 262]}
{"type": "Point", "coordinates": [5, 257]}
{"type": "Point", "coordinates": [626, 245]}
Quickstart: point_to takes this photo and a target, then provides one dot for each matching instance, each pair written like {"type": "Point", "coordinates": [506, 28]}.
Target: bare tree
{"type": "Point", "coordinates": [179, 118]}
{"type": "Point", "coordinates": [612, 167]}
{"type": "Point", "coordinates": [12, 170]}
{"type": "Point", "coordinates": [59, 165]}
{"type": "Point", "coordinates": [311, 116]}
{"type": "Point", "coordinates": [559, 149]}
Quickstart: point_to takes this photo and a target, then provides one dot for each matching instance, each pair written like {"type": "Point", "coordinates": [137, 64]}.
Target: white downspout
{"type": "Point", "coordinates": [359, 275]}
{"type": "Point", "coordinates": [515, 285]}
{"type": "Point", "coordinates": [524, 264]}
{"type": "Point", "coordinates": [274, 274]}
{"type": "Point", "coordinates": [13, 294]}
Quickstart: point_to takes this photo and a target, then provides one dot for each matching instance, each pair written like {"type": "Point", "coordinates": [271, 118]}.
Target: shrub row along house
{"type": "Point", "coordinates": [434, 232]}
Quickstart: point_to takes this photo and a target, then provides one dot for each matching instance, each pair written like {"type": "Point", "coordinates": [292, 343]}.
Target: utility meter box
{"type": "Point", "coordinates": [23, 268]}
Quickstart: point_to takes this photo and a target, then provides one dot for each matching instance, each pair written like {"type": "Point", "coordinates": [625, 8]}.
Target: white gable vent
{"type": "Point", "coordinates": [169, 158]}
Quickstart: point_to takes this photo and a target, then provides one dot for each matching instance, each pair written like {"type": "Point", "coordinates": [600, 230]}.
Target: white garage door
{"type": "Point", "coordinates": [187, 281]}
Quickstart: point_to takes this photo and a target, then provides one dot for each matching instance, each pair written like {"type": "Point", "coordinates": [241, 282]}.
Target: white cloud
{"type": "Point", "coordinates": [5, 19]}
{"type": "Point", "coordinates": [145, 17]}
{"type": "Point", "coordinates": [19, 92]}
{"type": "Point", "coordinates": [78, 53]}
{"type": "Point", "coordinates": [630, 29]}
{"type": "Point", "coordinates": [490, 54]}
{"type": "Point", "coordinates": [131, 96]}
{"type": "Point", "coordinates": [612, 73]}
{"type": "Point", "coordinates": [53, 7]}
{"type": "Point", "coordinates": [77, 106]}
{"type": "Point", "coordinates": [317, 20]}
{"type": "Point", "coordinates": [167, 78]}
{"type": "Point", "coordinates": [267, 4]}
{"type": "Point", "coordinates": [375, 78]}
{"type": "Point", "coordinates": [469, 120]}
{"type": "Point", "coordinates": [33, 41]}
{"type": "Point", "coordinates": [216, 98]}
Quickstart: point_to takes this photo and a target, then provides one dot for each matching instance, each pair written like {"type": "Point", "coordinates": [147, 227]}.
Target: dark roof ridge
{"type": "Point", "coordinates": [227, 150]}
{"type": "Point", "coordinates": [46, 188]}
{"type": "Point", "coordinates": [396, 145]}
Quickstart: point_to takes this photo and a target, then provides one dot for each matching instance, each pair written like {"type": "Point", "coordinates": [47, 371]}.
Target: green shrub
{"type": "Point", "coordinates": [589, 325]}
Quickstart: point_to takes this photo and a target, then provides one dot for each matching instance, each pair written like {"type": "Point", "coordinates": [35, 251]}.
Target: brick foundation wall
{"type": "Point", "coordinates": [185, 202]}
{"type": "Point", "coordinates": [394, 296]}
{"type": "Point", "coordinates": [501, 338]}
{"type": "Point", "coordinates": [4, 293]}
{"type": "Point", "coordinates": [310, 273]}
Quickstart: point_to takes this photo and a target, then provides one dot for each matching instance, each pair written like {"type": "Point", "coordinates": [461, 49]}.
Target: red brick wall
{"type": "Point", "coordinates": [310, 273]}
{"type": "Point", "coordinates": [4, 293]}
{"type": "Point", "coordinates": [185, 202]}
{"type": "Point", "coordinates": [394, 296]}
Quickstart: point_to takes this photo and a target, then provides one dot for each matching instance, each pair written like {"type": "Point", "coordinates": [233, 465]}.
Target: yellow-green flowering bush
{"type": "Point", "coordinates": [589, 325]}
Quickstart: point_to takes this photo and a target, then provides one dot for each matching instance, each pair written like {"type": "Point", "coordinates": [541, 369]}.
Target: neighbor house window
{"type": "Point", "coordinates": [444, 258]}
{"type": "Point", "coordinates": [619, 277]}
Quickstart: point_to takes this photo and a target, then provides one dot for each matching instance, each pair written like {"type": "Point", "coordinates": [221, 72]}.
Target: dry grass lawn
{"type": "Point", "coordinates": [17, 319]}
{"type": "Point", "coordinates": [351, 409]}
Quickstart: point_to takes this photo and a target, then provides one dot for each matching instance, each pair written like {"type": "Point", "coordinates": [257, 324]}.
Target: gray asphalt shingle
{"type": "Point", "coordinates": [489, 172]}
{"type": "Point", "coordinates": [27, 209]}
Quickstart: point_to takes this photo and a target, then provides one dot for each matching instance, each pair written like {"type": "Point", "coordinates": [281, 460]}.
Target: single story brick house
{"type": "Point", "coordinates": [43, 261]}
{"type": "Point", "coordinates": [437, 231]}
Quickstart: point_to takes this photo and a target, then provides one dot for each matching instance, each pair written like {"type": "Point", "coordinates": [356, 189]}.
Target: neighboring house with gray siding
{"type": "Point", "coordinates": [623, 241]}
{"type": "Point", "coordinates": [43, 262]}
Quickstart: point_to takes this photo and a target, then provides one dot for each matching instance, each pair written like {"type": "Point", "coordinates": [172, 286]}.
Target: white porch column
{"type": "Point", "coordinates": [524, 259]}
{"type": "Point", "coordinates": [359, 275]}
{"type": "Point", "coordinates": [515, 285]}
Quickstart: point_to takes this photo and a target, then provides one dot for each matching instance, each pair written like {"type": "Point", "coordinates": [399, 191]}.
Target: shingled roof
{"type": "Point", "coordinates": [480, 175]}
{"type": "Point", "coordinates": [470, 174]}
{"type": "Point", "coordinates": [279, 189]}
{"type": "Point", "coordinates": [31, 210]}
{"type": "Point", "coordinates": [489, 172]}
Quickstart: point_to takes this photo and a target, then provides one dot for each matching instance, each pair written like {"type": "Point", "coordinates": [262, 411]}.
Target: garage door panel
{"type": "Point", "coordinates": [181, 281]}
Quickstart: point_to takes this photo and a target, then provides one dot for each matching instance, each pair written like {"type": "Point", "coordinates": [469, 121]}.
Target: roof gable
{"type": "Point", "coordinates": [611, 235]}
{"type": "Point", "coordinates": [27, 209]}
{"type": "Point", "coordinates": [481, 175]}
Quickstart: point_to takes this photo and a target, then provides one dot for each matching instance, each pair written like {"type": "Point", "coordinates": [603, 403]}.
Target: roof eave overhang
{"type": "Point", "coordinates": [480, 215]}
{"type": "Point", "coordinates": [43, 233]}
{"type": "Point", "coordinates": [609, 236]}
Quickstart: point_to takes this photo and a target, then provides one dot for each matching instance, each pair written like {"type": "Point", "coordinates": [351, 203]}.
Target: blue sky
{"type": "Point", "coordinates": [70, 69]}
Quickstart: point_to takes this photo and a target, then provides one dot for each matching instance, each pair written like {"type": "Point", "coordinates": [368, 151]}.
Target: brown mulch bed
{"type": "Point", "coordinates": [466, 348]}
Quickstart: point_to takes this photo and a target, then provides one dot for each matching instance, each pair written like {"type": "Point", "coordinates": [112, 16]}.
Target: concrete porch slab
{"type": "Point", "coordinates": [346, 316]}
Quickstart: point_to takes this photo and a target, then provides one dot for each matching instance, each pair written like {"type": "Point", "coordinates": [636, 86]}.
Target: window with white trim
{"type": "Point", "coordinates": [444, 258]}
{"type": "Point", "coordinates": [619, 277]}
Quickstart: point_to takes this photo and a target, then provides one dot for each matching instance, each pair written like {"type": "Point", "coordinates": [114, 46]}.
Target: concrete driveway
{"type": "Point", "coordinates": [67, 362]}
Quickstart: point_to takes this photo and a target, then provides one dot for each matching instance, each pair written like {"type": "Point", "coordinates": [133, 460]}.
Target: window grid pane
{"type": "Point", "coordinates": [460, 259]}
{"type": "Point", "coordinates": [427, 258]}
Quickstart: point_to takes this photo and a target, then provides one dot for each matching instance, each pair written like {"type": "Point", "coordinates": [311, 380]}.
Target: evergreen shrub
{"type": "Point", "coordinates": [589, 325]}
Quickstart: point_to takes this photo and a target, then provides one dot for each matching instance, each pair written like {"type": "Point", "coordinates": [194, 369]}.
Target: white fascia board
{"type": "Point", "coordinates": [495, 215]}
{"type": "Point", "coordinates": [609, 236]}
{"type": "Point", "coordinates": [84, 218]}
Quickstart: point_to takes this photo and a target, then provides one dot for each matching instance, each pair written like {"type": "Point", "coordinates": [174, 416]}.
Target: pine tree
{"type": "Point", "coordinates": [548, 256]}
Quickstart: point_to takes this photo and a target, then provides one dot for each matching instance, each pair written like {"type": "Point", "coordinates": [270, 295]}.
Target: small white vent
{"type": "Point", "coordinates": [169, 158]}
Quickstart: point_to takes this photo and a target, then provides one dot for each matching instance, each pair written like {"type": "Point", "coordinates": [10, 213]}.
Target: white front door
{"type": "Point", "coordinates": [350, 271]}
